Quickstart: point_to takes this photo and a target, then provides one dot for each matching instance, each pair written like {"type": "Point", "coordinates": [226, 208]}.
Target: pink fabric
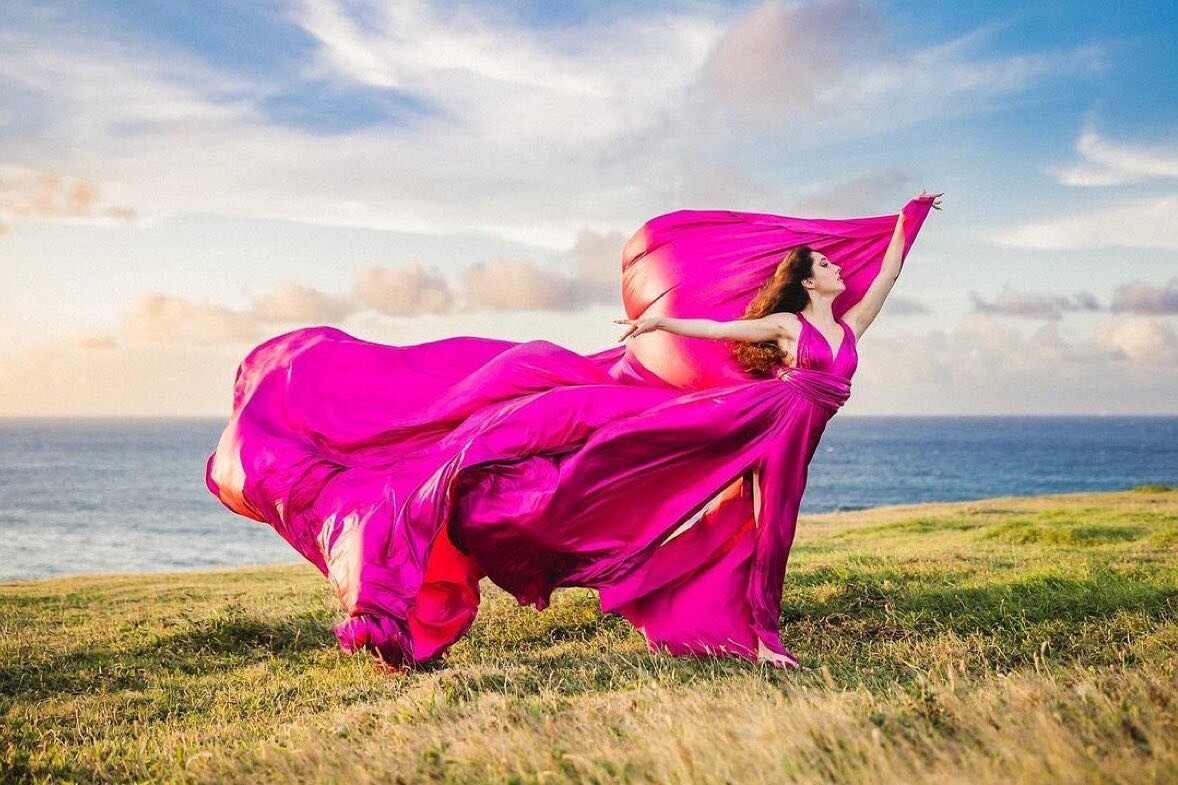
{"type": "Point", "coordinates": [407, 473]}
{"type": "Point", "coordinates": [710, 264]}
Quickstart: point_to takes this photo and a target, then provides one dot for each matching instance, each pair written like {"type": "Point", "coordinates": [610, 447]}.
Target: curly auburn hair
{"type": "Point", "coordinates": [781, 293]}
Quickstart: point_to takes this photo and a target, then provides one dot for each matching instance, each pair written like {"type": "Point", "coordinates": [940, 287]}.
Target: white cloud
{"type": "Point", "coordinates": [26, 194]}
{"type": "Point", "coordinates": [1117, 163]}
{"type": "Point", "coordinates": [597, 256]}
{"type": "Point", "coordinates": [163, 318]}
{"type": "Point", "coordinates": [988, 365]}
{"type": "Point", "coordinates": [532, 134]}
{"type": "Point", "coordinates": [1145, 222]}
{"type": "Point", "coordinates": [860, 195]}
{"type": "Point", "coordinates": [1141, 223]}
{"type": "Point", "coordinates": [827, 71]}
{"type": "Point", "coordinates": [500, 155]}
{"type": "Point", "coordinates": [407, 289]}
{"type": "Point", "coordinates": [781, 57]}
{"type": "Point", "coordinates": [514, 284]}
{"type": "Point", "coordinates": [1144, 341]}
{"type": "Point", "coordinates": [1142, 297]}
{"type": "Point", "coordinates": [293, 302]}
{"type": "Point", "coordinates": [1033, 304]}
{"type": "Point", "coordinates": [131, 380]}
{"type": "Point", "coordinates": [96, 89]}
{"type": "Point", "coordinates": [407, 44]}
{"type": "Point", "coordinates": [898, 305]}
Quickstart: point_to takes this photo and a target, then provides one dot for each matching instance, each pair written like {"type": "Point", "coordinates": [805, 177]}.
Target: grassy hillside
{"type": "Point", "coordinates": [1012, 639]}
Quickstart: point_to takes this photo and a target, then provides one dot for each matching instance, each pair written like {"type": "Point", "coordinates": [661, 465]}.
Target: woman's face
{"type": "Point", "coordinates": [827, 275]}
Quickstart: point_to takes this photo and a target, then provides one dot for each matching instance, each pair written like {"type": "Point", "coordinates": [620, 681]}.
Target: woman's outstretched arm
{"type": "Point", "coordinates": [767, 328]}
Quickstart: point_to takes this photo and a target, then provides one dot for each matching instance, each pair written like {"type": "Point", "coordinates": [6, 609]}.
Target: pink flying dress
{"type": "Point", "coordinates": [406, 474]}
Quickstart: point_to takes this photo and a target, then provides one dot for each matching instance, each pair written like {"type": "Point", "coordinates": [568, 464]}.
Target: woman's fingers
{"type": "Point", "coordinates": [626, 334]}
{"type": "Point", "coordinates": [935, 198]}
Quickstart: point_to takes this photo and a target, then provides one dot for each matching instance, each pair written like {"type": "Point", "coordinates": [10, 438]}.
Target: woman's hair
{"type": "Point", "coordinates": [782, 292]}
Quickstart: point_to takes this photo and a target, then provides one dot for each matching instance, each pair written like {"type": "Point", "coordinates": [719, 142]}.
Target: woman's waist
{"type": "Point", "coordinates": [827, 389]}
{"type": "Point", "coordinates": [813, 373]}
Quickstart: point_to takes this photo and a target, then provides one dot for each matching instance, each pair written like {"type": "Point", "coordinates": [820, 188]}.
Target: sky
{"type": "Point", "coordinates": [180, 181]}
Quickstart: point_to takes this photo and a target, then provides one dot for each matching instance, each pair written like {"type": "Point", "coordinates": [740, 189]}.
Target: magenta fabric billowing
{"type": "Point", "coordinates": [710, 264]}
{"type": "Point", "coordinates": [406, 474]}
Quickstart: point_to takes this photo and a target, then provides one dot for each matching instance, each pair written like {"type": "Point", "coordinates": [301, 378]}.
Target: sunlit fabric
{"type": "Point", "coordinates": [407, 473]}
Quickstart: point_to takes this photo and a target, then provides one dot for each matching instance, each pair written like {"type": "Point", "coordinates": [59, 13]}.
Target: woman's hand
{"type": "Point", "coordinates": [638, 326]}
{"type": "Point", "coordinates": [936, 200]}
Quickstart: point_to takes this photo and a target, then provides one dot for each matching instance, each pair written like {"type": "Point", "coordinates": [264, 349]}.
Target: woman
{"type": "Point", "coordinates": [664, 475]}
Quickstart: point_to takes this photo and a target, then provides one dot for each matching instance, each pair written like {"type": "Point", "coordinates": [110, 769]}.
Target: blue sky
{"type": "Point", "coordinates": [179, 181]}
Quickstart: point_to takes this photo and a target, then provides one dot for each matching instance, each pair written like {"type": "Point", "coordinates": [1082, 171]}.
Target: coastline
{"type": "Point", "coordinates": [878, 514]}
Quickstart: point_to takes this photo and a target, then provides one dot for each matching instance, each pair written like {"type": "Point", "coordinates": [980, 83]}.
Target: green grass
{"type": "Point", "coordinates": [1002, 640]}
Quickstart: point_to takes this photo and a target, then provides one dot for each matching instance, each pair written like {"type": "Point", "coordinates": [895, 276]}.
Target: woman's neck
{"type": "Point", "coordinates": [819, 311]}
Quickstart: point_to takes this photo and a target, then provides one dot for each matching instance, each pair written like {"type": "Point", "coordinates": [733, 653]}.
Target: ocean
{"type": "Point", "coordinates": [84, 496]}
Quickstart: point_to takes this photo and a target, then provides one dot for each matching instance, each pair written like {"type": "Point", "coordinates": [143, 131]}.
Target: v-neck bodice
{"type": "Point", "coordinates": [815, 352]}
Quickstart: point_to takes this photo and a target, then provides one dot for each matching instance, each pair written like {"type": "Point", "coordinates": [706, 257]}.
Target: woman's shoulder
{"type": "Point", "coordinates": [789, 322]}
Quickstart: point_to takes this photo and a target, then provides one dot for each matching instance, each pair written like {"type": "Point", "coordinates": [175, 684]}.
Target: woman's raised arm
{"type": "Point", "coordinates": [863, 313]}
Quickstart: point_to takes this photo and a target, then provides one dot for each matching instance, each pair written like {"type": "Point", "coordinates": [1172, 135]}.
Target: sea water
{"type": "Point", "coordinates": [81, 496]}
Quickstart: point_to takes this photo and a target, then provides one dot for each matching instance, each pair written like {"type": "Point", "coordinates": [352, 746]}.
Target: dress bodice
{"type": "Point", "coordinates": [815, 352]}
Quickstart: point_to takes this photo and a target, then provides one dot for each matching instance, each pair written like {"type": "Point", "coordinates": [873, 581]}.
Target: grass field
{"type": "Point", "coordinates": [1005, 640]}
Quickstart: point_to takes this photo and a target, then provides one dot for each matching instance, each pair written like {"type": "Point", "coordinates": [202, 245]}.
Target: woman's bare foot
{"type": "Point", "coordinates": [765, 654]}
